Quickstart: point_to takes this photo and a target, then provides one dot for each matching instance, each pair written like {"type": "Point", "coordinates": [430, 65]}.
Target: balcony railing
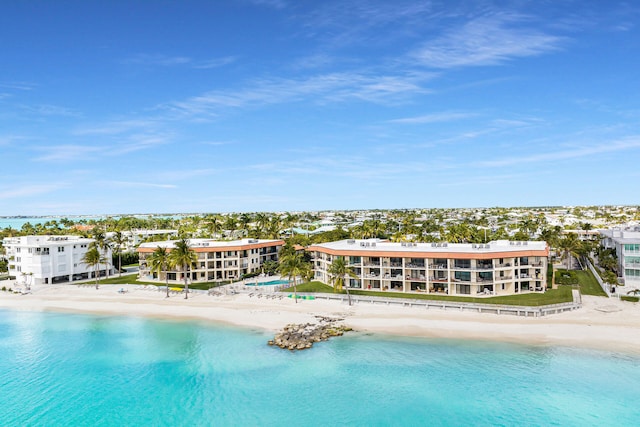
{"type": "Point", "coordinates": [413, 265]}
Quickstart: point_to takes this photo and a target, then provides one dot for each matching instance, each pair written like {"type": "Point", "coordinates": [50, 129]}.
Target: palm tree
{"type": "Point", "coordinates": [569, 244]}
{"type": "Point", "coordinates": [184, 257]}
{"type": "Point", "coordinates": [102, 244]}
{"type": "Point", "coordinates": [293, 265]}
{"type": "Point", "coordinates": [213, 225]}
{"type": "Point", "coordinates": [118, 240]}
{"type": "Point", "coordinates": [338, 271]}
{"type": "Point", "coordinates": [93, 258]}
{"type": "Point", "coordinates": [159, 262]}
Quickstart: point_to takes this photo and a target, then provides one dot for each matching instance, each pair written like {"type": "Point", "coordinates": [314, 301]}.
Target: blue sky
{"type": "Point", "coordinates": [267, 105]}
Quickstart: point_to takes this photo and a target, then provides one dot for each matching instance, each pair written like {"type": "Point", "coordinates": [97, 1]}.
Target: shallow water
{"type": "Point", "coordinates": [69, 369]}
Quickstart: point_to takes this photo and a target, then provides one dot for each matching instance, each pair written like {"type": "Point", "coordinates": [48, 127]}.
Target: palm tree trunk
{"type": "Point", "coordinates": [119, 264]}
{"type": "Point", "coordinates": [95, 273]}
{"type": "Point", "coordinates": [346, 287]}
{"type": "Point", "coordinates": [295, 290]}
{"type": "Point", "coordinates": [186, 284]}
{"type": "Point", "coordinates": [166, 280]}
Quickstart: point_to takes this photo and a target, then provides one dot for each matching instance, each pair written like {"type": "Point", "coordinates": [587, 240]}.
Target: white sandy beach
{"type": "Point", "coordinates": [602, 323]}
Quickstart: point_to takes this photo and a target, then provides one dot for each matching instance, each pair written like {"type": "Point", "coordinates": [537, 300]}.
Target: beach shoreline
{"type": "Point", "coordinates": [604, 324]}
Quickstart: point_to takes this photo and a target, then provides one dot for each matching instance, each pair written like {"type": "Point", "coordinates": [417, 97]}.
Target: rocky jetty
{"type": "Point", "coordinates": [302, 336]}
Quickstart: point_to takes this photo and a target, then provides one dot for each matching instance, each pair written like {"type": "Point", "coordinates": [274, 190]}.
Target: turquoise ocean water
{"type": "Point", "coordinates": [68, 369]}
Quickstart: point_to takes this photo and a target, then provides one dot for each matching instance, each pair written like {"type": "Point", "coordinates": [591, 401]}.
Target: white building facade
{"type": "Point", "coordinates": [626, 243]}
{"type": "Point", "coordinates": [50, 259]}
{"type": "Point", "coordinates": [497, 268]}
{"type": "Point", "coordinates": [217, 260]}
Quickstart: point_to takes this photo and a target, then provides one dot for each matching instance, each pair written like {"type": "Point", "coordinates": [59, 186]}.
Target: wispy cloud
{"type": "Point", "coordinates": [50, 110]}
{"type": "Point", "coordinates": [161, 60]}
{"type": "Point", "coordinates": [217, 143]}
{"type": "Point", "coordinates": [333, 87]}
{"type": "Point", "coordinates": [117, 127]}
{"type": "Point", "coordinates": [10, 139]}
{"type": "Point", "coordinates": [360, 21]}
{"type": "Point", "coordinates": [18, 85]}
{"type": "Point", "coordinates": [215, 63]}
{"type": "Point", "coordinates": [29, 190]}
{"type": "Point", "coordinates": [629, 143]}
{"type": "Point", "coordinates": [276, 4]}
{"type": "Point", "coordinates": [136, 184]}
{"type": "Point", "coordinates": [65, 153]}
{"type": "Point", "coordinates": [157, 59]}
{"type": "Point", "coordinates": [186, 174]}
{"type": "Point", "coordinates": [137, 142]}
{"type": "Point", "coordinates": [445, 116]}
{"type": "Point", "coordinates": [487, 40]}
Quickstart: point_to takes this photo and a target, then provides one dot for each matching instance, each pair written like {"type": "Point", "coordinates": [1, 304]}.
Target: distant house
{"type": "Point", "coordinates": [50, 259]}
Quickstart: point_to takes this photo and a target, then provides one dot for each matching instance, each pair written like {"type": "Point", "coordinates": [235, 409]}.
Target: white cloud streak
{"type": "Point", "coordinates": [136, 184]}
{"type": "Point", "coordinates": [446, 116]}
{"type": "Point", "coordinates": [29, 190]}
{"type": "Point", "coordinates": [487, 40]}
{"type": "Point", "coordinates": [629, 143]}
{"type": "Point", "coordinates": [334, 87]}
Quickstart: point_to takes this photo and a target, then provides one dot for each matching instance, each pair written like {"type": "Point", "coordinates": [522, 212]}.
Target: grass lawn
{"type": "Point", "coordinates": [587, 282]}
{"type": "Point", "coordinates": [554, 296]}
{"type": "Point", "coordinates": [131, 279]}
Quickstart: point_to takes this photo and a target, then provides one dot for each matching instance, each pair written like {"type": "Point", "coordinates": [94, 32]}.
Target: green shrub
{"type": "Point", "coordinates": [566, 277]}
{"type": "Point", "coordinates": [630, 299]}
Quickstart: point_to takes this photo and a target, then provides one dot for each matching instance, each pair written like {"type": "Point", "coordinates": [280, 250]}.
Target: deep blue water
{"type": "Point", "coordinates": [68, 369]}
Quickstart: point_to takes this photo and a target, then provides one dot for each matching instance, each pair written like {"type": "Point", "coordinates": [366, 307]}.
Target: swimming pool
{"type": "Point", "coordinates": [270, 283]}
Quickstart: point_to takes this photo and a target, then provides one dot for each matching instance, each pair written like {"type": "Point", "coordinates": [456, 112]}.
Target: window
{"type": "Point", "coordinates": [18, 250]}
{"type": "Point", "coordinates": [18, 259]}
{"type": "Point", "coordinates": [60, 248]}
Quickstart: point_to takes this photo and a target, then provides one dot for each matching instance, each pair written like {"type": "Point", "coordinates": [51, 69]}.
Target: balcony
{"type": "Point", "coordinates": [414, 265]}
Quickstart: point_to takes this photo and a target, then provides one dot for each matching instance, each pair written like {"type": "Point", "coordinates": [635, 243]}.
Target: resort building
{"type": "Point", "coordinates": [51, 259]}
{"type": "Point", "coordinates": [217, 260]}
{"type": "Point", "coordinates": [498, 268]}
{"type": "Point", "coordinates": [626, 243]}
